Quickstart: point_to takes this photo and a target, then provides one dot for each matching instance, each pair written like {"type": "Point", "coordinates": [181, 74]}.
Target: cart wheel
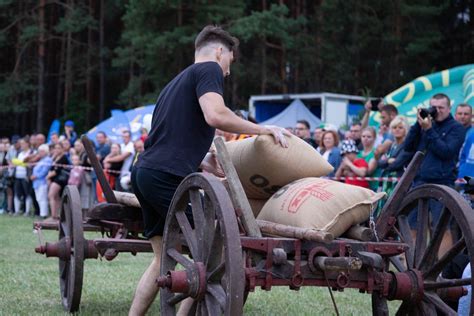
{"type": "Point", "coordinates": [423, 255]}
{"type": "Point", "coordinates": [214, 268]}
{"type": "Point", "coordinates": [71, 270]}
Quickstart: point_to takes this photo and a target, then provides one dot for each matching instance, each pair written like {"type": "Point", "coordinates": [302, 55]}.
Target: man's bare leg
{"type": "Point", "coordinates": [147, 289]}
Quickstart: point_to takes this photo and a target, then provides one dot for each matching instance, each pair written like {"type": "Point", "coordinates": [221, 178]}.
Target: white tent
{"type": "Point", "coordinates": [294, 112]}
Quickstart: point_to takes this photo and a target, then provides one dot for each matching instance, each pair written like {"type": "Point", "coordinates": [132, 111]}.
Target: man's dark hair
{"type": "Point", "coordinates": [464, 105]}
{"type": "Point", "coordinates": [103, 133]}
{"type": "Point", "coordinates": [127, 132]}
{"type": "Point", "coordinates": [439, 96]}
{"type": "Point", "coordinates": [215, 34]}
{"type": "Point", "coordinates": [389, 109]}
{"type": "Point", "coordinates": [356, 123]}
{"type": "Point", "coordinates": [305, 123]}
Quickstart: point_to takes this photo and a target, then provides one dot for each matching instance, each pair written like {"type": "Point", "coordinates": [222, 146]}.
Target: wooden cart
{"type": "Point", "coordinates": [226, 253]}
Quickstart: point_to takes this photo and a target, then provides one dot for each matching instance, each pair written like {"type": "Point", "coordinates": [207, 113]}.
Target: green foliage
{"type": "Point", "coordinates": [342, 46]}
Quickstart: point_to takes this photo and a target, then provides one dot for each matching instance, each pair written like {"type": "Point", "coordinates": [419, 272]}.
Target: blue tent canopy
{"type": "Point", "coordinates": [294, 112]}
{"type": "Point", "coordinates": [132, 120]}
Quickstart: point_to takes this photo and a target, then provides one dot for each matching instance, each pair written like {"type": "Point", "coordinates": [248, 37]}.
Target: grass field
{"type": "Point", "coordinates": [29, 283]}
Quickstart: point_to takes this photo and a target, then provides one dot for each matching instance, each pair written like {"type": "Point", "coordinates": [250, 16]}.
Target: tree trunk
{"type": "Point", "coordinates": [60, 82]}
{"type": "Point", "coordinates": [101, 63]}
{"type": "Point", "coordinates": [263, 65]}
{"type": "Point", "coordinates": [68, 81]}
{"type": "Point", "coordinates": [89, 66]}
{"type": "Point", "coordinates": [40, 109]}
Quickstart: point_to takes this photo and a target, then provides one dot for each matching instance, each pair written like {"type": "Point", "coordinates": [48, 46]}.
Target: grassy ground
{"type": "Point", "coordinates": [29, 283]}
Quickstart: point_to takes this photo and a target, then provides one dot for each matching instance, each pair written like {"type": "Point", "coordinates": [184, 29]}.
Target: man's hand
{"type": "Point", "coordinates": [278, 134]}
{"type": "Point", "coordinates": [368, 106]}
{"type": "Point", "coordinates": [425, 123]}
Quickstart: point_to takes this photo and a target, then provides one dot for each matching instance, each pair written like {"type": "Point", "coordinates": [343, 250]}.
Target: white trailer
{"type": "Point", "coordinates": [337, 109]}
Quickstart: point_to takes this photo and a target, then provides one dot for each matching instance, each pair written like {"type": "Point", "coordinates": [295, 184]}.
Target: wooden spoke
{"type": "Point", "coordinates": [217, 273]}
{"type": "Point", "coordinates": [427, 309]}
{"type": "Point", "coordinates": [431, 252]}
{"type": "Point", "coordinates": [436, 269]}
{"type": "Point", "coordinates": [397, 263]}
{"type": "Point", "coordinates": [177, 298]}
{"type": "Point", "coordinates": [199, 223]}
{"type": "Point", "coordinates": [194, 308]}
{"type": "Point", "coordinates": [188, 234]}
{"type": "Point", "coordinates": [404, 227]}
{"type": "Point", "coordinates": [217, 247]}
{"type": "Point", "coordinates": [218, 293]}
{"type": "Point", "coordinates": [213, 306]}
{"type": "Point", "coordinates": [179, 258]}
{"type": "Point", "coordinates": [443, 283]}
{"type": "Point", "coordinates": [439, 304]}
{"type": "Point", "coordinates": [203, 308]}
{"type": "Point", "coordinates": [422, 231]}
{"type": "Point", "coordinates": [404, 309]}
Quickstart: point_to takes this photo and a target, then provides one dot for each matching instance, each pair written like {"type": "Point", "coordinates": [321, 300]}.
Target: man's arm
{"type": "Point", "coordinates": [219, 116]}
{"type": "Point", "coordinates": [365, 119]}
{"type": "Point", "coordinates": [447, 148]}
{"type": "Point", "coordinates": [120, 157]}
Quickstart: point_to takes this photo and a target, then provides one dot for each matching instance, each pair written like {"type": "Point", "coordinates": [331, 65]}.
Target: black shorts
{"type": "Point", "coordinates": [154, 190]}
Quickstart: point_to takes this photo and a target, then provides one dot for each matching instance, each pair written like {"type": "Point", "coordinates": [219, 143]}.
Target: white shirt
{"type": "Point", "coordinates": [20, 172]}
{"type": "Point", "coordinates": [326, 154]}
{"type": "Point", "coordinates": [127, 163]}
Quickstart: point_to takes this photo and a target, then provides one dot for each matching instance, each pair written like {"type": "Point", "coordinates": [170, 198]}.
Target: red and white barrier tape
{"type": "Point", "coordinates": [32, 164]}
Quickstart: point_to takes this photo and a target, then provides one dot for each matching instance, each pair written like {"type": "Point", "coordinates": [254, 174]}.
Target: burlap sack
{"type": "Point", "coordinates": [320, 204]}
{"type": "Point", "coordinates": [256, 206]}
{"type": "Point", "coordinates": [264, 167]}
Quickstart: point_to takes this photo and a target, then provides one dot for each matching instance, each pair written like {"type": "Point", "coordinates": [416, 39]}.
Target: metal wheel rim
{"type": "Point", "coordinates": [424, 256]}
{"type": "Point", "coordinates": [71, 271]}
{"type": "Point", "coordinates": [229, 287]}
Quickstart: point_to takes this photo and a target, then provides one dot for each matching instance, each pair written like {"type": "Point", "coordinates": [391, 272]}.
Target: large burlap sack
{"type": "Point", "coordinates": [264, 167]}
{"type": "Point", "coordinates": [320, 204]}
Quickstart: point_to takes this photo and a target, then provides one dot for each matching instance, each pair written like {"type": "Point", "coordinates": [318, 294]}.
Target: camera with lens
{"type": "Point", "coordinates": [431, 111]}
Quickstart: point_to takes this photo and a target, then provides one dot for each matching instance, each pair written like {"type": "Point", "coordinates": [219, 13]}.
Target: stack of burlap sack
{"type": "Point", "coordinates": [283, 186]}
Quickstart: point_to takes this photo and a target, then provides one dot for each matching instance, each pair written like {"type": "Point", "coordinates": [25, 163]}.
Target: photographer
{"type": "Point", "coordinates": [440, 137]}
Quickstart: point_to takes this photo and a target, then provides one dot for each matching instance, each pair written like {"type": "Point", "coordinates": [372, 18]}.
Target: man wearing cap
{"type": "Point", "coordinates": [69, 132]}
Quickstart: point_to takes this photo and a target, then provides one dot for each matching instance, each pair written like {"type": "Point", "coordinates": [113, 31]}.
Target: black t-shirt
{"type": "Point", "coordinates": [180, 137]}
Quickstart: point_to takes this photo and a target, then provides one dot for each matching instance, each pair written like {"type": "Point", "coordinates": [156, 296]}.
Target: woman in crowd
{"type": "Point", "coordinates": [85, 189]}
{"type": "Point", "coordinates": [58, 177]}
{"type": "Point", "coordinates": [40, 185]}
{"type": "Point", "coordinates": [111, 170]}
{"type": "Point", "coordinates": [393, 163]}
{"type": "Point", "coordinates": [22, 186]}
{"type": "Point", "coordinates": [368, 154]}
{"type": "Point", "coordinates": [330, 151]}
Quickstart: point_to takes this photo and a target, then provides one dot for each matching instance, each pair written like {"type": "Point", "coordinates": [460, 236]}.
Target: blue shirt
{"type": "Point", "coordinates": [466, 157]}
{"type": "Point", "coordinates": [40, 171]}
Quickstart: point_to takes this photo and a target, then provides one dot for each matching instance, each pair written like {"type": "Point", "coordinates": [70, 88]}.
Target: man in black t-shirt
{"type": "Point", "coordinates": [186, 114]}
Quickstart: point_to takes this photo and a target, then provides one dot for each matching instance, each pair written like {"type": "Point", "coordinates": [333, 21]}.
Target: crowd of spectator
{"type": "Point", "coordinates": [34, 171]}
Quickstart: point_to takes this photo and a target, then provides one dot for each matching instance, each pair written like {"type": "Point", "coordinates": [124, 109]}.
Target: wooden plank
{"type": "Point", "coordinates": [391, 207]}
{"type": "Point", "coordinates": [127, 198]}
{"type": "Point", "coordinates": [239, 199]}
{"type": "Point", "coordinates": [108, 193]}
{"type": "Point", "coordinates": [361, 233]}
{"type": "Point", "coordinates": [281, 230]}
